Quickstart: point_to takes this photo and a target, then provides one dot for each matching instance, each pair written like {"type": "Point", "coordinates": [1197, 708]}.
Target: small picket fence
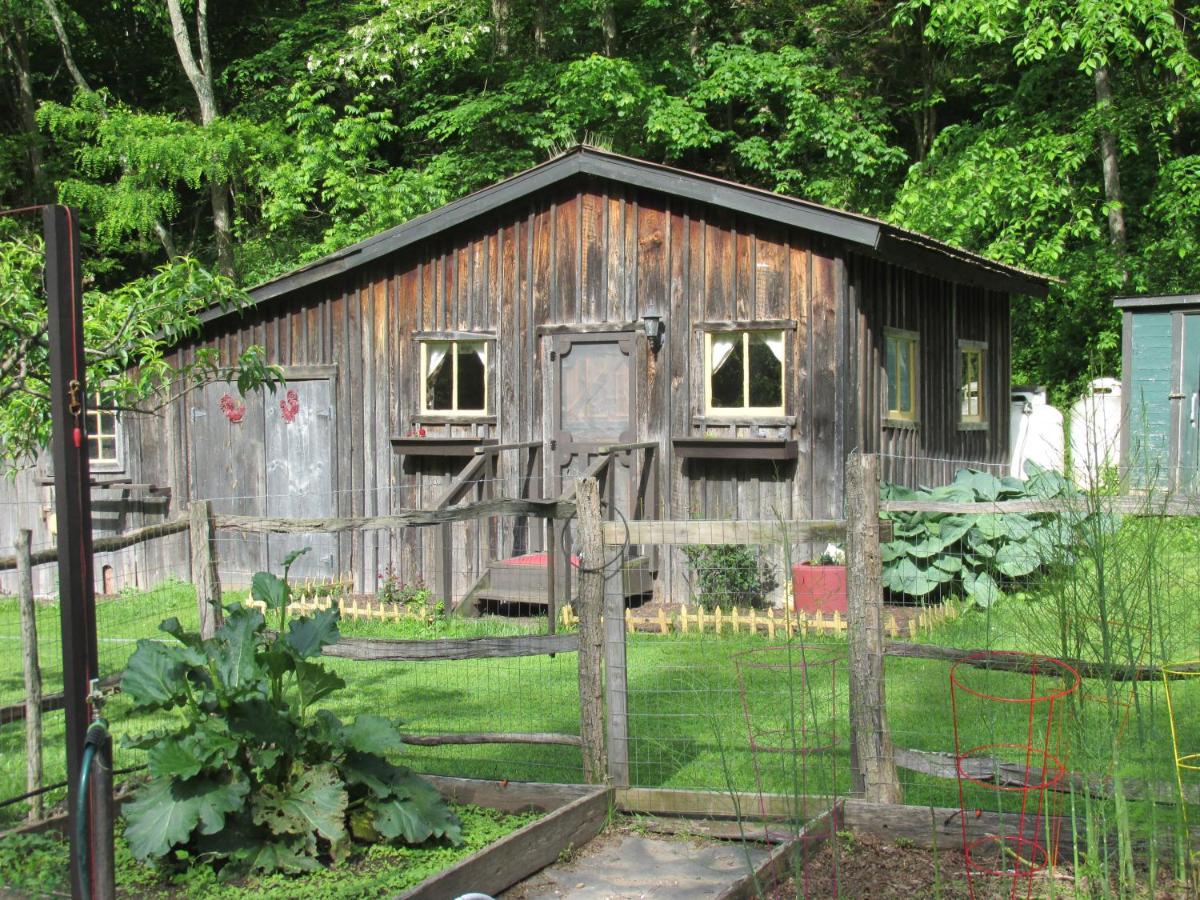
{"type": "Point", "coordinates": [354, 608]}
{"type": "Point", "coordinates": [771, 621]}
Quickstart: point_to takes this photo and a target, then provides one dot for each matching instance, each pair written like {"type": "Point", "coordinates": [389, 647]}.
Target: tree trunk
{"type": "Point", "coordinates": [539, 26]}
{"type": "Point", "coordinates": [608, 24]}
{"type": "Point", "coordinates": [1108, 160]}
{"type": "Point", "coordinates": [500, 18]}
{"type": "Point", "coordinates": [65, 43]}
{"type": "Point", "coordinates": [18, 57]}
{"type": "Point", "coordinates": [199, 73]}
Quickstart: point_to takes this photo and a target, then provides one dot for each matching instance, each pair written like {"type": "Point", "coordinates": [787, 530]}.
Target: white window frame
{"type": "Point", "coordinates": [898, 416]}
{"type": "Point", "coordinates": [979, 419]}
{"type": "Point", "coordinates": [453, 343]}
{"type": "Point", "coordinates": [95, 418]}
{"type": "Point", "coordinates": [745, 410]}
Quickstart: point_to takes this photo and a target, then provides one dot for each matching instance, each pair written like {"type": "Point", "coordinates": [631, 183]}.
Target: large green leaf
{"type": "Point", "coordinates": [372, 772]}
{"type": "Point", "coordinates": [313, 801]}
{"type": "Point", "coordinates": [314, 681]}
{"type": "Point", "coordinates": [372, 734]}
{"type": "Point", "coordinates": [184, 755]}
{"type": "Point", "coordinates": [233, 648]}
{"type": "Point", "coordinates": [165, 811]}
{"type": "Point", "coordinates": [981, 588]}
{"type": "Point", "coordinates": [416, 813]}
{"type": "Point", "coordinates": [309, 634]}
{"type": "Point", "coordinates": [1017, 558]}
{"type": "Point", "coordinates": [951, 529]}
{"type": "Point", "coordinates": [262, 723]}
{"type": "Point", "coordinates": [154, 675]}
{"type": "Point", "coordinates": [1016, 527]}
{"type": "Point", "coordinates": [949, 563]}
{"type": "Point", "coordinates": [270, 589]}
{"type": "Point", "coordinates": [276, 856]}
{"type": "Point", "coordinates": [173, 627]}
{"type": "Point", "coordinates": [989, 526]}
{"type": "Point", "coordinates": [906, 577]}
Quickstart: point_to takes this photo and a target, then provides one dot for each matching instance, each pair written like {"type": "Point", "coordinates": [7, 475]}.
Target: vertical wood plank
{"type": "Point", "coordinates": [875, 774]}
{"type": "Point", "coordinates": [204, 567]}
{"type": "Point", "coordinates": [591, 637]}
{"type": "Point", "coordinates": [32, 671]}
{"type": "Point", "coordinates": [592, 260]}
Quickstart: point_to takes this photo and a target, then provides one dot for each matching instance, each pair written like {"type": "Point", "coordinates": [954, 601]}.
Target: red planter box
{"type": "Point", "coordinates": [819, 589]}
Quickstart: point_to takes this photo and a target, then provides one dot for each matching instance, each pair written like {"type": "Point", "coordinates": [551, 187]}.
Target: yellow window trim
{"type": "Point", "coordinates": [977, 349]}
{"type": "Point", "coordinates": [742, 411]}
{"type": "Point", "coordinates": [911, 340]}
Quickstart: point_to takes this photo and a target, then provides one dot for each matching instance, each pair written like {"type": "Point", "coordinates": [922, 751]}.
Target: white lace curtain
{"type": "Point", "coordinates": [437, 353]}
{"type": "Point", "coordinates": [723, 345]}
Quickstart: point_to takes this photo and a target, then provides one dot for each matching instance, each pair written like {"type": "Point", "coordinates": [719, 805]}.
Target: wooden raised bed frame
{"type": "Point", "coordinates": [574, 815]}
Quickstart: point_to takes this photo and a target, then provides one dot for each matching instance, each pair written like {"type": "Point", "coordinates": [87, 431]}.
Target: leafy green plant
{"type": "Point", "coordinates": [731, 574]}
{"type": "Point", "coordinates": [977, 554]}
{"type": "Point", "coordinates": [251, 775]}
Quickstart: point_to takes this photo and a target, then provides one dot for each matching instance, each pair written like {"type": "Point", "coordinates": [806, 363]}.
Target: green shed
{"type": "Point", "coordinates": [1160, 351]}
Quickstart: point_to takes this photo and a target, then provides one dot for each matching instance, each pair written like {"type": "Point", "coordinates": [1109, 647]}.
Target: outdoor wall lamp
{"type": "Point", "coordinates": [653, 324]}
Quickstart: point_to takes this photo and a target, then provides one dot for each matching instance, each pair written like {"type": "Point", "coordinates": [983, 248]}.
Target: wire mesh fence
{"type": "Point", "coordinates": [729, 686]}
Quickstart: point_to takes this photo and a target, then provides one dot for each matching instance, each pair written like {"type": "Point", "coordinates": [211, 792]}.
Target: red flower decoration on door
{"type": "Point", "coordinates": [290, 406]}
{"type": "Point", "coordinates": [233, 410]}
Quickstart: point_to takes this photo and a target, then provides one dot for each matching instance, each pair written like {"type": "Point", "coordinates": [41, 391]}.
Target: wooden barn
{"type": "Point", "coordinates": [1160, 352]}
{"type": "Point", "coordinates": [737, 343]}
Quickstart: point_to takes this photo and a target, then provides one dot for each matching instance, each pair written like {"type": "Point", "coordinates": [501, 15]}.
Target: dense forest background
{"type": "Point", "coordinates": [214, 143]}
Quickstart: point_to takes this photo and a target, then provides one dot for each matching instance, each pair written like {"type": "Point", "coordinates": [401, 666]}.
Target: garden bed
{"type": "Point", "coordinates": [511, 830]}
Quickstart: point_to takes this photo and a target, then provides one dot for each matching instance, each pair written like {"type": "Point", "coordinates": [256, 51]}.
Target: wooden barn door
{"type": "Point", "coordinates": [1188, 472]}
{"type": "Point", "coordinates": [225, 465]}
{"type": "Point", "coordinates": [592, 406]}
{"type": "Point", "coordinates": [299, 475]}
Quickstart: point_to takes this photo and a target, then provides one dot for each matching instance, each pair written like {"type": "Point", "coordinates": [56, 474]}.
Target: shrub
{"type": "Point", "coordinates": [978, 554]}
{"type": "Point", "coordinates": [249, 774]}
{"type": "Point", "coordinates": [731, 575]}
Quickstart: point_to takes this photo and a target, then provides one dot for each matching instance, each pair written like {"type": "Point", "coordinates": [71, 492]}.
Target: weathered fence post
{"type": "Point", "coordinates": [591, 637]}
{"type": "Point", "coordinates": [33, 673]}
{"type": "Point", "coordinates": [615, 685]}
{"type": "Point", "coordinates": [204, 568]}
{"type": "Point", "coordinates": [875, 775]}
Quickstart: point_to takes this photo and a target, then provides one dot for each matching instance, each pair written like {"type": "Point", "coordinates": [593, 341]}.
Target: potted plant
{"type": "Point", "coordinates": [819, 585]}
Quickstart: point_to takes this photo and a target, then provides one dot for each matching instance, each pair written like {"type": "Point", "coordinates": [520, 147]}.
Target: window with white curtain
{"type": "Point", "coordinates": [744, 372]}
{"type": "Point", "coordinates": [454, 377]}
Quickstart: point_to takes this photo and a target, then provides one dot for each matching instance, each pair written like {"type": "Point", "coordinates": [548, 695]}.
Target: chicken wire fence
{"type": "Point", "coordinates": [728, 685]}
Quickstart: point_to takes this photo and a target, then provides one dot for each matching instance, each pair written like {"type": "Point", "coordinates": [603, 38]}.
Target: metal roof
{"type": "Point", "coordinates": [871, 236]}
{"type": "Point", "coordinates": [1163, 301]}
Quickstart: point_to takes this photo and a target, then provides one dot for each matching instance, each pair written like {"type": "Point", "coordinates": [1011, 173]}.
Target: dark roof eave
{"type": "Point", "coordinates": [870, 235]}
{"type": "Point", "coordinates": [1163, 301]}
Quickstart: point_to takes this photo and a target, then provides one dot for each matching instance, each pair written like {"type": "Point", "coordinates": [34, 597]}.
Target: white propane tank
{"type": "Point", "coordinates": [1035, 432]}
{"type": "Point", "coordinates": [1096, 431]}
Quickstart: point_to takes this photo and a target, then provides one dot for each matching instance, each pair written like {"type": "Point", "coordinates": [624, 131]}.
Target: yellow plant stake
{"type": "Point", "coordinates": [1187, 672]}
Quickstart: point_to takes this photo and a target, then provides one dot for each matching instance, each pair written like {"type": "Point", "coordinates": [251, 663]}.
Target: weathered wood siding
{"type": "Point", "coordinates": [942, 314]}
{"type": "Point", "coordinates": [587, 255]}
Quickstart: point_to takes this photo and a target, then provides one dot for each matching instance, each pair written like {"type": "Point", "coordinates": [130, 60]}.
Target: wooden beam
{"type": "Point", "coordinates": [1021, 664]}
{"type": "Point", "coordinates": [106, 544]}
{"type": "Point", "coordinates": [787, 858]}
{"type": "Point", "coordinates": [591, 635]}
{"type": "Point", "coordinates": [492, 737]}
{"type": "Point", "coordinates": [720, 804]}
{"type": "Point", "coordinates": [510, 796]}
{"type": "Point", "coordinates": [515, 857]}
{"type": "Point", "coordinates": [1130, 505]}
{"type": "Point", "coordinates": [204, 568]}
{"type": "Point", "coordinates": [994, 771]}
{"type": "Point", "coordinates": [871, 738]}
{"type": "Point", "coordinates": [32, 672]}
{"type": "Point", "coordinates": [943, 827]}
{"type": "Point", "coordinates": [386, 649]}
{"type": "Point", "coordinates": [15, 712]}
{"type": "Point", "coordinates": [699, 532]}
{"type": "Point", "coordinates": [552, 509]}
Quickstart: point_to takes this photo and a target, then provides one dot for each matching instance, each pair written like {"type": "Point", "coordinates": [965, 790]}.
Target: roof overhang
{"type": "Point", "coordinates": [870, 236]}
{"type": "Point", "coordinates": [1166, 301]}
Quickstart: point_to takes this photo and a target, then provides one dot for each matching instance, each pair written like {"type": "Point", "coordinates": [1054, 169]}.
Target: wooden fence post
{"type": "Point", "coordinates": [591, 637]}
{"type": "Point", "coordinates": [33, 673]}
{"type": "Point", "coordinates": [204, 568]}
{"type": "Point", "coordinates": [615, 684]}
{"type": "Point", "coordinates": [875, 774]}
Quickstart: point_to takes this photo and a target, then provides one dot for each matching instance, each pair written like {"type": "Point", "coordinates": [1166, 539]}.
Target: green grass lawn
{"type": "Point", "coordinates": [708, 712]}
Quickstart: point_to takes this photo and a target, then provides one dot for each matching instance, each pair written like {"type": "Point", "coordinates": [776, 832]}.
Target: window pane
{"type": "Point", "coordinates": [766, 370]}
{"type": "Point", "coordinates": [904, 376]}
{"type": "Point", "coordinates": [439, 379]}
{"type": "Point", "coordinates": [972, 378]}
{"type": "Point", "coordinates": [891, 374]}
{"type": "Point", "coordinates": [472, 376]}
{"type": "Point", "coordinates": [727, 380]}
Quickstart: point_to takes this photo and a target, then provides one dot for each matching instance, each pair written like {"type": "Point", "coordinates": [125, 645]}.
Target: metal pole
{"type": "Point", "coordinates": [68, 400]}
{"type": "Point", "coordinates": [103, 862]}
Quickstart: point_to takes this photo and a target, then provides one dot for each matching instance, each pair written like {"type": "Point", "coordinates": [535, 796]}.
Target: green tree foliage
{"type": "Point", "coordinates": [1060, 135]}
